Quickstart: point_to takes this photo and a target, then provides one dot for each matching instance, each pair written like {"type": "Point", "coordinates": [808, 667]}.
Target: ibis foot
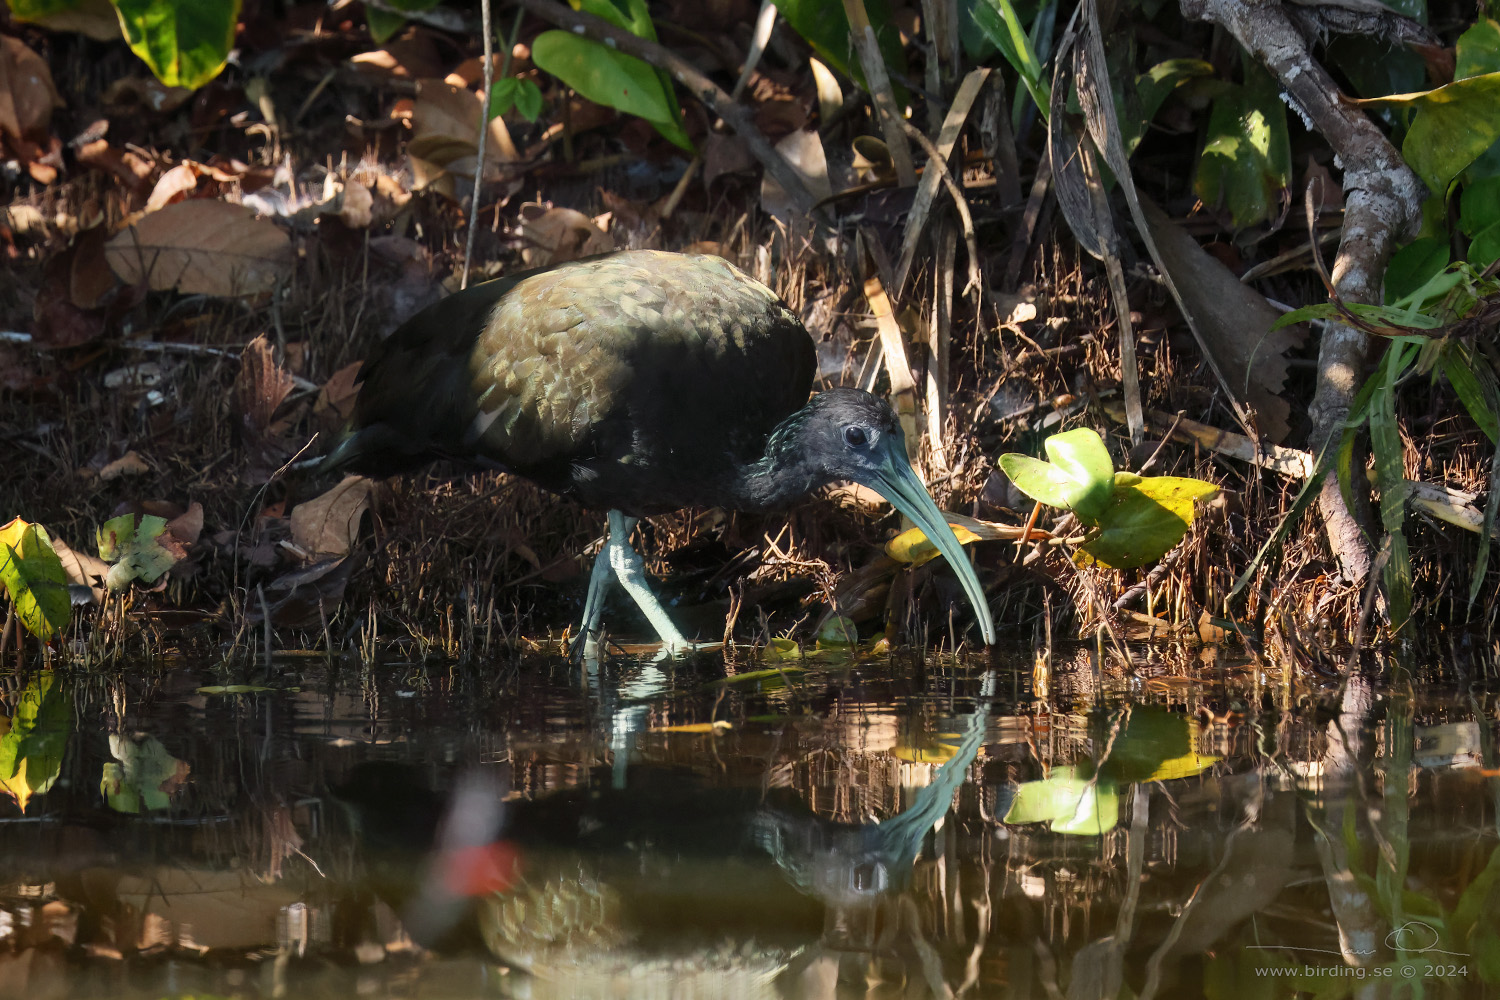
{"type": "Point", "coordinates": [625, 564]}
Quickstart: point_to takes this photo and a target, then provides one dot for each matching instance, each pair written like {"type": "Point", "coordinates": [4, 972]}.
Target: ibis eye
{"type": "Point", "coordinates": [854, 436]}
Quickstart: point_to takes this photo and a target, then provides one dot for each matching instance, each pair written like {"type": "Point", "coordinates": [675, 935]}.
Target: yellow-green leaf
{"type": "Point", "coordinates": [136, 549]}
{"type": "Point", "coordinates": [34, 578]}
{"type": "Point", "coordinates": [1143, 521]}
{"type": "Point", "coordinates": [185, 42]}
{"type": "Point", "coordinates": [911, 546]}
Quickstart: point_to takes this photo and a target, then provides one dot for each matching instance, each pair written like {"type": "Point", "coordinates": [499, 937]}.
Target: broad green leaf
{"type": "Point", "coordinates": [1081, 454]}
{"type": "Point", "coordinates": [1144, 521]}
{"type": "Point", "coordinates": [825, 26]}
{"type": "Point", "coordinates": [136, 550]}
{"type": "Point", "coordinates": [1151, 89]}
{"type": "Point", "coordinates": [1458, 368]}
{"type": "Point", "coordinates": [185, 42]}
{"type": "Point", "coordinates": [913, 547]}
{"type": "Point", "coordinates": [1413, 266]}
{"type": "Point", "coordinates": [1042, 481]}
{"type": "Point", "coordinates": [614, 79]}
{"type": "Point", "coordinates": [998, 20]}
{"type": "Point", "coordinates": [31, 750]}
{"type": "Point", "coordinates": [1485, 248]}
{"type": "Point", "coordinates": [145, 777]}
{"type": "Point", "coordinates": [1478, 50]}
{"type": "Point", "coordinates": [1454, 125]}
{"type": "Point", "coordinates": [1068, 803]}
{"type": "Point", "coordinates": [1246, 161]}
{"type": "Point", "coordinates": [383, 24]}
{"type": "Point", "coordinates": [34, 578]}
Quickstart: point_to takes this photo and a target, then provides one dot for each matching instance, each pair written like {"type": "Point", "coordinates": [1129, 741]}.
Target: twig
{"type": "Point", "coordinates": [862, 34]}
{"type": "Point", "coordinates": [484, 129]}
{"type": "Point", "coordinates": [935, 160]}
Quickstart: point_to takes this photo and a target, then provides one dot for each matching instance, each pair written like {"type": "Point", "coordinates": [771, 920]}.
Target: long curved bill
{"type": "Point", "coordinates": [898, 483]}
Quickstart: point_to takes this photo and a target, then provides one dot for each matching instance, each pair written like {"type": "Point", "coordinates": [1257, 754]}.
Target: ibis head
{"type": "Point", "coordinates": [849, 435]}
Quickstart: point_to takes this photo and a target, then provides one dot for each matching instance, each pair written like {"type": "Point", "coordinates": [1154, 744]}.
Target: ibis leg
{"type": "Point", "coordinates": [593, 605]}
{"type": "Point", "coordinates": [630, 570]}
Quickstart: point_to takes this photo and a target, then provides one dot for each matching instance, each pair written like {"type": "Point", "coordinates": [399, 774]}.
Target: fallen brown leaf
{"type": "Point", "coordinates": [303, 599]}
{"type": "Point", "coordinates": [335, 403]}
{"type": "Point", "coordinates": [128, 464]}
{"type": "Point", "coordinates": [445, 125]}
{"type": "Point", "coordinates": [90, 281]}
{"type": "Point", "coordinates": [173, 186]}
{"type": "Point", "coordinates": [132, 169]}
{"type": "Point", "coordinates": [1235, 321]}
{"type": "Point", "coordinates": [202, 247]}
{"type": "Point", "coordinates": [82, 568]}
{"type": "Point", "coordinates": [27, 94]}
{"type": "Point", "coordinates": [328, 525]}
{"type": "Point", "coordinates": [263, 384]}
{"type": "Point", "coordinates": [560, 234]}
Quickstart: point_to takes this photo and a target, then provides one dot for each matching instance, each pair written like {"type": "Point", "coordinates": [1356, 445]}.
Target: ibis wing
{"type": "Point", "coordinates": [610, 368]}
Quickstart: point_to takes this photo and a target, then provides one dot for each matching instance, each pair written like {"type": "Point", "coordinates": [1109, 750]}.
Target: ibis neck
{"type": "Point", "coordinates": [774, 483]}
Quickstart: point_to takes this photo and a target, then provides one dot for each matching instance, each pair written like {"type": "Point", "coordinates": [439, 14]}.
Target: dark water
{"type": "Point", "coordinates": [1183, 827]}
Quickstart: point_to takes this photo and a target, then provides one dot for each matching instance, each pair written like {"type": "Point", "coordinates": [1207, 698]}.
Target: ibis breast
{"type": "Point", "coordinates": [642, 380]}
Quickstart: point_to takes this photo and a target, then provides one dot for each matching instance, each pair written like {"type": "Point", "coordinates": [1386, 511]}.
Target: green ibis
{"type": "Point", "coordinates": [638, 382]}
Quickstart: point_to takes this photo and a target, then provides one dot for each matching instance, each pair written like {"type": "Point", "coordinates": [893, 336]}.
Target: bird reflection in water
{"type": "Point", "coordinates": [670, 881]}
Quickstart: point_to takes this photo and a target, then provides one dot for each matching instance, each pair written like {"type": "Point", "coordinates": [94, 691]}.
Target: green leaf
{"type": "Point", "coordinates": [1144, 521]}
{"type": "Point", "coordinates": [614, 79]}
{"type": "Point", "coordinates": [998, 20]}
{"type": "Point", "coordinates": [1478, 50]}
{"type": "Point", "coordinates": [137, 551]}
{"type": "Point", "coordinates": [1453, 126]}
{"type": "Point", "coordinates": [34, 578]}
{"type": "Point", "coordinates": [1152, 88]}
{"type": "Point", "coordinates": [1069, 803]}
{"type": "Point", "coordinates": [1385, 441]}
{"type": "Point", "coordinates": [383, 24]}
{"type": "Point", "coordinates": [1079, 478]}
{"type": "Point", "coordinates": [826, 27]}
{"type": "Point", "coordinates": [145, 777]}
{"type": "Point", "coordinates": [1413, 266]}
{"type": "Point", "coordinates": [185, 42]}
{"type": "Point", "coordinates": [1386, 321]}
{"type": "Point", "coordinates": [1042, 481]}
{"type": "Point", "coordinates": [1458, 368]}
{"type": "Point", "coordinates": [31, 751]}
{"type": "Point", "coordinates": [1397, 579]}
{"type": "Point", "coordinates": [1479, 206]}
{"type": "Point", "coordinates": [1246, 161]}
{"type": "Point", "coordinates": [1081, 455]}
{"type": "Point", "coordinates": [1485, 249]}
{"type": "Point", "coordinates": [529, 100]}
